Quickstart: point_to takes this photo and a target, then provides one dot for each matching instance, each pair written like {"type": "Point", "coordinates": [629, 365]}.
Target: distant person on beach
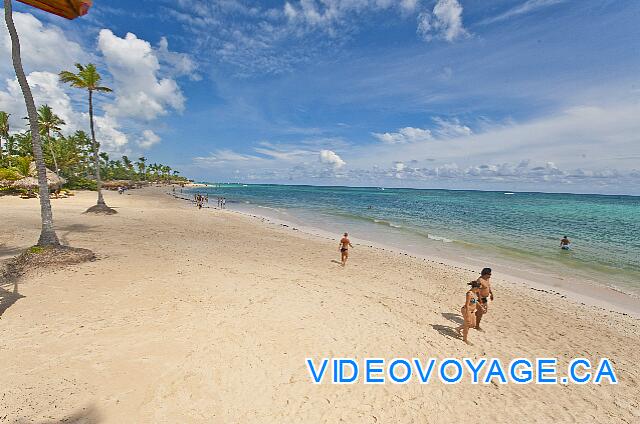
{"type": "Point", "coordinates": [224, 202]}
{"type": "Point", "coordinates": [344, 248]}
{"type": "Point", "coordinates": [468, 311]}
{"type": "Point", "coordinates": [485, 294]}
{"type": "Point", "coordinates": [565, 243]}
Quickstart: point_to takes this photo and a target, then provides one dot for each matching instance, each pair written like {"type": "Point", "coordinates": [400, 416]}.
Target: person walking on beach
{"type": "Point", "coordinates": [344, 248]}
{"type": "Point", "coordinates": [468, 311]}
{"type": "Point", "coordinates": [485, 293]}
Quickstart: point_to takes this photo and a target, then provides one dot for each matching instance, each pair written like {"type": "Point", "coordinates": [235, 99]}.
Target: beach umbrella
{"type": "Point", "coordinates": [53, 181]}
{"type": "Point", "coordinates": [26, 183]}
{"type": "Point", "coordinates": [69, 9]}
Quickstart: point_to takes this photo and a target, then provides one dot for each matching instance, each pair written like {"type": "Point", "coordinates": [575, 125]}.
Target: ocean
{"type": "Point", "coordinates": [516, 231]}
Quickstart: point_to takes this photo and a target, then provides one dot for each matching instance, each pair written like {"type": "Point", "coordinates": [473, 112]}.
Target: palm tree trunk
{"type": "Point", "coordinates": [48, 235]}
{"type": "Point", "coordinates": [96, 157]}
{"type": "Point", "coordinates": [53, 155]}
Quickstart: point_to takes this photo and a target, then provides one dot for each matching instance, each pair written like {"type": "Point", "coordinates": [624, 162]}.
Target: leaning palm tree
{"type": "Point", "coordinates": [48, 235]}
{"type": "Point", "coordinates": [88, 79]}
{"type": "Point", "coordinates": [50, 122]}
{"type": "Point", "coordinates": [4, 128]}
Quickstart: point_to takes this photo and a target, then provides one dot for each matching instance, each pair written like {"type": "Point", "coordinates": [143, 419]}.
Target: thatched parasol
{"type": "Point", "coordinates": [118, 183]}
{"type": "Point", "coordinates": [69, 9]}
{"type": "Point", "coordinates": [53, 181]}
{"type": "Point", "coordinates": [26, 183]}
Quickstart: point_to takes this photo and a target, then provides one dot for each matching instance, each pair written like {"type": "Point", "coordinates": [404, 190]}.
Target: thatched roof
{"type": "Point", "coordinates": [117, 183]}
{"type": "Point", "coordinates": [26, 183]}
{"type": "Point", "coordinates": [53, 180]}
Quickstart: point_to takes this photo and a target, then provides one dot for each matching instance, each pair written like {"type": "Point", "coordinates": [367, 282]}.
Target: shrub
{"type": "Point", "coordinates": [8, 174]}
{"type": "Point", "coordinates": [80, 183]}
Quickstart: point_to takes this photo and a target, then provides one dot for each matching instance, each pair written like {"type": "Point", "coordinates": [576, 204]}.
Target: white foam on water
{"type": "Point", "coordinates": [439, 238]}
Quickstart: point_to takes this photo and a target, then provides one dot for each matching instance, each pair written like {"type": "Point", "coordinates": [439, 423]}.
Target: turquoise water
{"type": "Point", "coordinates": [523, 227]}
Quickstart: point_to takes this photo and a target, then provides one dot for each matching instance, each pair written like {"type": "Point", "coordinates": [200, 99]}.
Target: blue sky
{"type": "Point", "coordinates": [510, 95]}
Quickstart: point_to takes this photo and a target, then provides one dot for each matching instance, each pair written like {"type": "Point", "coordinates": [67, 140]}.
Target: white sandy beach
{"type": "Point", "coordinates": [207, 316]}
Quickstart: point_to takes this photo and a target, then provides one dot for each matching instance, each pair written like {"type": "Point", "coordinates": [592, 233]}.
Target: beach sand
{"type": "Point", "coordinates": [207, 316]}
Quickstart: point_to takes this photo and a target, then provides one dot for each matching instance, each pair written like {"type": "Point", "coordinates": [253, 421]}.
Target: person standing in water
{"type": "Point", "coordinates": [468, 311]}
{"type": "Point", "coordinates": [344, 248]}
{"type": "Point", "coordinates": [484, 293]}
{"type": "Point", "coordinates": [565, 243]}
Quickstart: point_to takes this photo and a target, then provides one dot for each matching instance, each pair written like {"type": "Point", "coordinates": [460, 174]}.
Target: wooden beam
{"type": "Point", "coordinates": [69, 9]}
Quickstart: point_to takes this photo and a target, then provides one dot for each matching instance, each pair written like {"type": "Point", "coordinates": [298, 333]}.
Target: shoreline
{"type": "Point", "coordinates": [602, 296]}
{"type": "Point", "coordinates": [185, 311]}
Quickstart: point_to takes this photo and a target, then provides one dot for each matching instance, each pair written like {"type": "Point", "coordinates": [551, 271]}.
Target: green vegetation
{"type": "Point", "coordinates": [71, 156]}
{"type": "Point", "coordinates": [36, 249]}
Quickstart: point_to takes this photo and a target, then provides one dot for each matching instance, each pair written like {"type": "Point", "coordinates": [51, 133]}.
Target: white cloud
{"type": "Point", "coordinates": [570, 146]}
{"type": "Point", "coordinates": [445, 22]}
{"type": "Point", "coordinates": [134, 66]}
{"type": "Point", "coordinates": [524, 8]}
{"type": "Point", "coordinates": [109, 135]}
{"type": "Point", "coordinates": [444, 129]}
{"type": "Point", "coordinates": [224, 157]}
{"type": "Point", "coordinates": [179, 64]}
{"type": "Point", "coordinates": [405, 135]}
{"type": "Point", "coordinates": [284, 153]}
{"type": "Point", "coordinates": [327, 14]}
{"type": "Point", "coordinates": [451, 128]}
{"type": "Point", "coordinates": [331, 158]}
{"type": "Point", "coordinates": [149, 139]}
{"type": "Point", "coordinates": [43, 47]}
{"type": "Point", "coordinates": [408, 5]}
{"type": "Point", "coordinates": [46, 89]}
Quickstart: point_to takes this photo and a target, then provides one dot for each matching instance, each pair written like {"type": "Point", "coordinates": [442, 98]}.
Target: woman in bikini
{"type": "Point", "coordinates": [344, 248]}
{"type": "Point", "coordinates": [468, 311]}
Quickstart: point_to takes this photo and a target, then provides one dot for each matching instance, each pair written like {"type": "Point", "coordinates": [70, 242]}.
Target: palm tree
{"type": "Point", "coordinates": [4, 128]}
{"type": "Point", "coordinates": [50, 122]}
{"type": "Point", "coordinates": [48, 235]}
{"type": "Point", "coordinates": [142, 167]}
{"type": "Point", "coordinates": [88, 79]}
{"type": "Point", "coordinates": [129, 166]}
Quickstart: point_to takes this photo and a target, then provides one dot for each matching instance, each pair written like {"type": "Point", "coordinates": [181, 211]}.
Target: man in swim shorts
{"type": "Point", "coordinates": [344, 248]}
{"type": "Point", "coordinates": [484, 294]}
{"type": "Point", "coordinates": [565, 243]}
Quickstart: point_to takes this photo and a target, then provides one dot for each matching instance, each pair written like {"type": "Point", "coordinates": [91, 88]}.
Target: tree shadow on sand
{"type": "Point", "coordinates": [88, 415]}
{"type": "Point", "coordinates": [66, 231]}
{"type": "Point", "coordinates": [8, 287]}
{"type": "Point", "coordinates": [12, 270]}
{"type": "Point", "coordinates": [9, 251]}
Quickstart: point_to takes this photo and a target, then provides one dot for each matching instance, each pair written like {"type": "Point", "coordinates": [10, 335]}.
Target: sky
{"type": "Point", "coordinates": [517, 95]}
